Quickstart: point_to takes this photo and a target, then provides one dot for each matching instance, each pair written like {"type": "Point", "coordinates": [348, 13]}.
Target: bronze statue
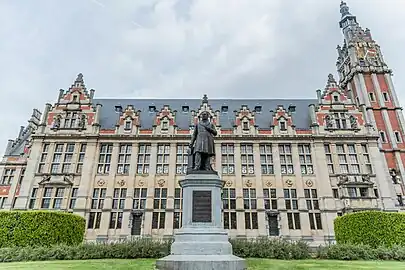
{"type": "Point", "coordinates": [202, 146]}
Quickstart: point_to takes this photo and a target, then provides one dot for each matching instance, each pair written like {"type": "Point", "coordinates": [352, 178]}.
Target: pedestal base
{"type": "Point", "coordinates": [201, 262]}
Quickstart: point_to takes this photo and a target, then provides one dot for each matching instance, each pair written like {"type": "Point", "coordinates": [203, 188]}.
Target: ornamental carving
{"type": "Point", "coordinates": [228, 183]}
{"type": "Point", "coordinates": [165, 118]}
{"type": "Point", "coordinates": [343, 179]}
{"type": "Point", "coordinates": [269, 183]}
{"type": "Point", "coordinates": [161, 182]}
{"type": "Point", "coordinates": [289, 183]}
{"type": "Point", "coordinates": [121, 182]}
{"type": "Point", "coordinates": [248, 183]}
{"type": "Point", "coordinates": [244, 118]}
{"type": "Point", "coordinates": [141, 183]}
{"type": "Point", "coordinates": [129, 117]}
{"type": "Point", "coordinates": [309, 183]}
{"type": "Point", "coordinates": [101, 182]}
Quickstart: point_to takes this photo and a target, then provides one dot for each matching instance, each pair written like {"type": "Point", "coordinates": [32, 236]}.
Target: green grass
{"type": "Point", "coordinates": [254, 264]}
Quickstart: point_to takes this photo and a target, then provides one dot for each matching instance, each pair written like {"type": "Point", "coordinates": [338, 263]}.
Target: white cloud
{"type": "Point", "coordinates": [178, 48]}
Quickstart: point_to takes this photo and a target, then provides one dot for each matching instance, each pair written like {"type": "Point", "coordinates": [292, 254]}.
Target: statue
{"type": "Point", "coordinates": [56, 123]}
{"type": "Point", "coordinates": [328, 120]}
{"type": "Point", "coordinates": [82, 122]}
{"type": "Point", "coordinates": [353, 122]}
{"type": "Point", "coordinates": [202, 146]}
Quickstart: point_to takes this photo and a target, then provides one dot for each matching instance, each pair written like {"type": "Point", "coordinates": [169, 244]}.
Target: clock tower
{"type": "Point", "coordinates": [367, 80]}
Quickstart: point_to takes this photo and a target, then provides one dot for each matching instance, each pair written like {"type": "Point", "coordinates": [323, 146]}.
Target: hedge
{"type": "Point", "coordinates": [40, 228]}
{"type": "Point", "coordinates": [373, 228]}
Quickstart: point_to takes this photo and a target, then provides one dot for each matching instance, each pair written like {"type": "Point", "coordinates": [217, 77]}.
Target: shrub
{"type": "Point", "coordinates": [270, 249]}
{"type": "Point", "coordinates": [40, 228]}
{"type": "Point", "coordinates": [373, 228]}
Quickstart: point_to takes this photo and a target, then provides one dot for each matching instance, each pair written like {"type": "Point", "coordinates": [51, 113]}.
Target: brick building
{"type": "Point", "coordinates": [290, 166]}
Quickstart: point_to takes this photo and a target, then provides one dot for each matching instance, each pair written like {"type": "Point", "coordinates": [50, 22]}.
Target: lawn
{"type": "Point", "coordinates": [254, 264]}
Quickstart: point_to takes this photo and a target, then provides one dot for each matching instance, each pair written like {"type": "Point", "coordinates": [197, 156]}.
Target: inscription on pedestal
{"type": "Point", "coordinates": [202, 209]}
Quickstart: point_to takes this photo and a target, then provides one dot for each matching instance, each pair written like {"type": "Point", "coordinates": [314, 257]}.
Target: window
{"type": "Point", "coordinates": [283, 126]}
{"type": "Point", "coordinates": [152, 109]}
{"type": "Point", "coordinates": [348, 161]}
{"type": "Point", "coordinates": [22, 173]}
{"type": "Point", "coordinates": [266, 159]}
{"type": "Point", "coordinates": [250, 206]}
{"type": "Point", "coordinates": [315, 221]}
{"type": "Point", "coordinates": [140, 195]}
{"type": "Point", "coordinates": [376, 193]}
{"type": "Point", "coordinates": [364, 192]}
{"type": "Point", "coordinates": [270, 198]}
{"type": "Point", "coordinates": [159, 206]}
{"type": "Point", "coordinates": [335, 193]}
{"type": "Point", "coordinates": [181, 158]}
{"type": "Point", "coordinates": [94, 220]}
{"type": "Point", "coordinates": [185, 109]}
{"type": "Point", "coordinates": [258, 109]}
{"type": "Point", "coordinates": [80, 159]}
{"type": "Point", "coordinates": [33, 198]}
{"type": "Point", "coordinates": [8, 176]}
{"type": "Point", "coordinates": [97, 201]}
{"type": "Point", "coordinates": [247, 160]}
{"type": "Point", "coordinates": [335, 98]}
{"type": "Point", "coordinates": [3, 202]}
{"type": "Point", "coordinates": [128, 125]}
{"type": "Point", "coordinates": [294, 222]}
{"type": "Point", "coordinates": [67, 159]}
{"type": "Point", "coordinates": [229, 207]}
{"type": "Point", "coordinates": [386, 97]}
{"type": "Point", "coordinates": [162, 163]}
{"type": "Point", "coordinates": [367, 160]}
{"type": "Point", "coordinates": [352, 192]}
{"type": "Point", "coordinates": [397, 136]}
{"type": "Point", "coordinates": [305, 157]}
{"type": "Point", "coordinates": [286, 159]}
{"type": "Point", "coordinates": [382, 137]}
{"type": "Point", "coordinates": [57, 158]}
{"type": "Point", "coordinates": [371, 96]}
{"type": "Point", "coordinates": [400, 200]}
{"type": "Point", "coordinates": [104, 159]}
{"type": "Point", "coordinates": [165, 124]}
{"type": "Point", "coordinates": [329, 159]}
{"type": "Point", "coordinates": [124, 159]}
{"type": "Point", "coordinates": [224, 109]}
{"type": "Point", "coordinates": [340, 120]}
{"type": "Point", "coordinates": [311, 196]}
{"type": "Point", "coordinates": [73, 198]}
{"type": "Point", "coordinates": [228, 159]}
{"type": "Point", "coordinates": [143, 160]}
{"type": "Point", "coordinates": [52, 198]}
{"type": "Point", "coordinates": [290, 199]}
{"type": "Point", "coordinates": [70, 120]}
{"type": "Point", "coordinates": [118, 206]}
{"type": "Point", "coordinates": [245, 125]}
{"type": "Point", "coordinates": [178, 206]}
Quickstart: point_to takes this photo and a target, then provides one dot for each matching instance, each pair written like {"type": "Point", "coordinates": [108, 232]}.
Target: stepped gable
{"type": "Point", "coordinates": [225, 107]}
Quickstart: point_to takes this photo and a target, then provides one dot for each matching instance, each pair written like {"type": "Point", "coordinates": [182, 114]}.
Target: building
{"type": "Point", "coordinates": [290, 166]}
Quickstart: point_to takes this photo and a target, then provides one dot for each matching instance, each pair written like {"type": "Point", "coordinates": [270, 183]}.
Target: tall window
{"type": "Point", "coordinates": [73, 198]}
{"type": "Point", "coordinates": [8, 176]}
{"type": "Point", "coordinates": [266, 159]}
{"type": "Point", "coordinates": [159, 207]}
{"type": "Point", "coordinates": [97, 204]}
{"type": "Point", "coordinates": [291, 204]}
{"type": "Point", "coordinates": [80, 159]}
{"type": "Point", "coordinates": [22, 173]}
{"type": "Point", "coordinates": [143, 159]}
{"type": "Point", "coordinates": [67, 159]}
{"type": "Point", "coordinates": [229, 206]}
{"type": "Point", "coordinates": [104, 159]}
{"type": "Point", "coordinates": [33, 198]}
{"type": "Point", "coordinates": [304, 152]}
{"type": "Point", "coordinates": [250, 206]}
{"type": "Point", "coordinates": [178, 206]}
{"type": "Point", "coordinates": [329, 160]}
{"type": "Point", "coordinates": [162, 163]}
{"type": "Point", "coordinates": [247, 160]}
{"type": "Point", "coordinates": [70, 120]}
{"type": "Point", "coordinates": [367, 160]}
{"type": "Point", "coordinates": [124, 158]}
{"type": "Point", "coordinates": [140, 195]}
{"type": "Point", "coordinates": [286, 159]}
{"type": "Point", "coordinates": [340, 120]}
{"type": "Point", "coordinates": [314, 215]}
{"type": "Point", "coordinates": [118, 206]}
{"type": "Point", "coordinates": [270, 198]}
{"type": "Point", "coordinates": [57, 158]}
{"type": "Point", "coordinates": [3, 202]}
{"type": "Point", "coordinates": [181, 159]}
{"type": "Point", "coordinates": [348, 161]}
{"type": "Point", "coordinates": [44, 155]}
{"type": "Point", "coordinates": [52, 198]}
{"type": "Point", "coordinates": [228, 159]}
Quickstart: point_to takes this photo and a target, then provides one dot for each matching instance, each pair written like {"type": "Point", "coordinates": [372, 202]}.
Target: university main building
{"type": "Point", "coordinates": [290, 166]}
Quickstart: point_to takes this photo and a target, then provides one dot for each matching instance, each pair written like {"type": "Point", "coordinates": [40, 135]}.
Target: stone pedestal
{"type": "Point", "coordinates": [201, 243]}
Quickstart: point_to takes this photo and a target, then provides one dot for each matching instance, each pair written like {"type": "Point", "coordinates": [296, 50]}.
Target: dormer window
{"type": "Point", "coordinates": [152, 109]}
{"type": "Point", "coordinates": [245, 125]}
{"type": "Point", "coordinates": [74, 98]}
{"type": "Point", "coordinates": [385, 96]}
{"type": "Point", "coordinates": [283, 126]}
{"type": "Point", "coordinates": [118, 108]}
{"type": "Point", "coordinates": [128, 124]}
{"type": "Point", "coordinates": [258, 109]}
{"type": "Point", "coordinates": [383, 137]}
{"type": "Point", "coordinates": [185, 109]}
{"type": "Point", "coordinates": [335, 98]}
{"type": "Point", "coordinates": [224, 109]}
{"type": "Point", "coordinates": [165, 125]}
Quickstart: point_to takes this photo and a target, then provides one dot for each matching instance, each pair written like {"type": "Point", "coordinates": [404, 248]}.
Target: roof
{"type": "Point", "coordinates": [109, 116]}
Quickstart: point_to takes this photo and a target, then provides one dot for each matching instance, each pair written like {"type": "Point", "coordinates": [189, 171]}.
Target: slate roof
{"type": "Point", "coordinates": [109, 116]}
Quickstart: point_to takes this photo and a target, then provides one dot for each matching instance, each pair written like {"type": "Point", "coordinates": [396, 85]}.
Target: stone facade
{"type": "Point", "coordinates": [290, 166]}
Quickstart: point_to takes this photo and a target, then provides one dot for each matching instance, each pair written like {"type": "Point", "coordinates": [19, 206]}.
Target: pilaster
{"type": "Point", "coordinates": [261, 215]}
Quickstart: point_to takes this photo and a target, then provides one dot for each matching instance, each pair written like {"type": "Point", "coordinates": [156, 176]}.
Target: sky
{"type": "Point", "coordinates": [179, 48]}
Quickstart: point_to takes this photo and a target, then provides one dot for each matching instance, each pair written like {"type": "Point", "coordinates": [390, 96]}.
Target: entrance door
{"type": "Point", "coordinates": [136, 224]}
{"type": "Point", "coordinates": [273, 224]}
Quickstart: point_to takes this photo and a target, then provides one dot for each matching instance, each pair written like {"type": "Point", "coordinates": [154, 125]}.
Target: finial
{"type": "Point", "coordinates": [205, 99]}
{"type": "Point", "coordinates": [331, 81]}
{"type": "Point", "coordinates": [79, 78]}
{"type": "Point", "coordinates": [344, 9]}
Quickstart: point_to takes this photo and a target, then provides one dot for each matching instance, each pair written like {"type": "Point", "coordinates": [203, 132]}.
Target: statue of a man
{"type": "Point", "coordinates": [202, 144]}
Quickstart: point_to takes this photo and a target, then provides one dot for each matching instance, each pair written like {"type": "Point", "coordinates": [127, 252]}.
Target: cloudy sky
{"type": "Point", "coordinates": [179, 48]}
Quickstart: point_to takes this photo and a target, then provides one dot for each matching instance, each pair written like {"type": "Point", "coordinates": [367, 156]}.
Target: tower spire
{"type": "Point", "coordinates": [347, 18]}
